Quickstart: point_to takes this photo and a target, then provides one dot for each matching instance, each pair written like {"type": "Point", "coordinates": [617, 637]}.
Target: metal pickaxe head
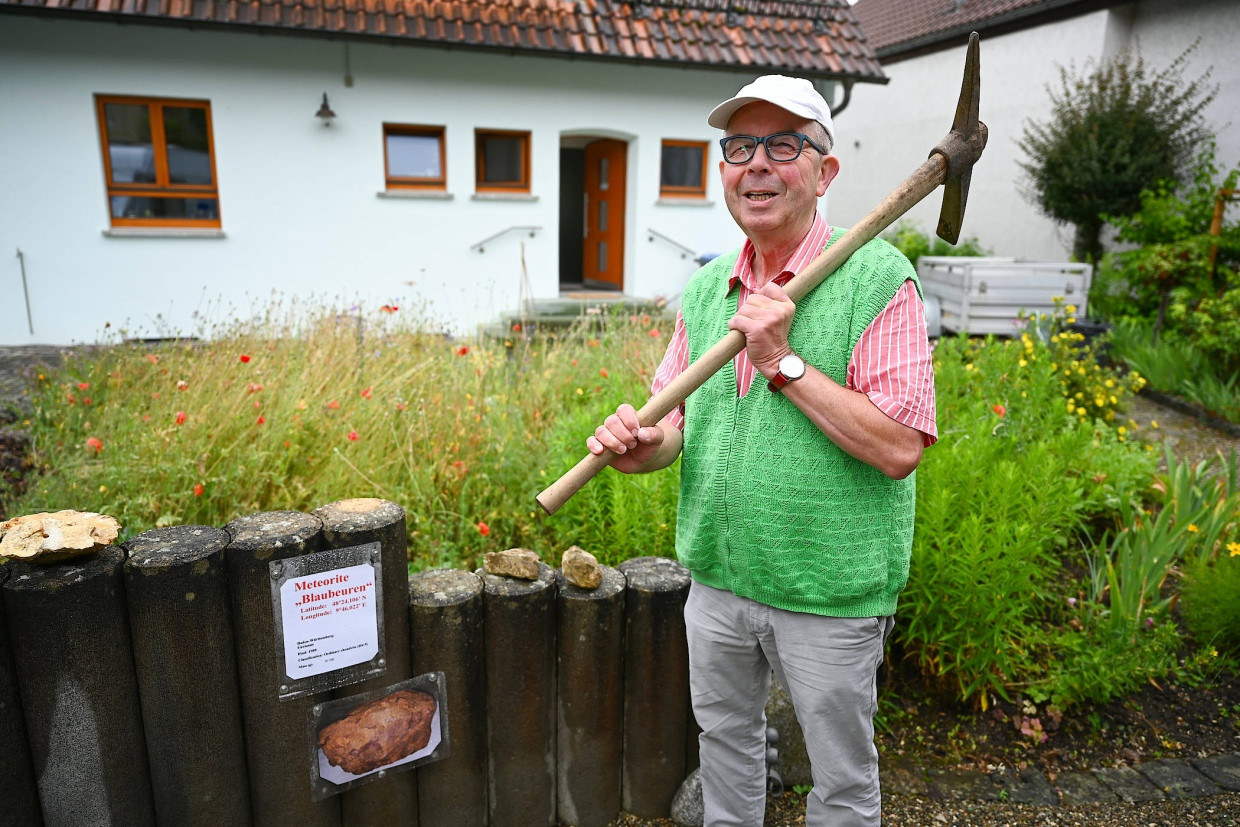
{"type": "Point", "coordinates": [962, 147]}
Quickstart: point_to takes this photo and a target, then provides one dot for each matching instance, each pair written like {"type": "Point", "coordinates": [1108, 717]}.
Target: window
{"type": "Point", "coordinates": [414, 156]}
{"type": "Point", "coordinates": [159, 162]}
{"type": "Point", "coordinates": [502, 160]}
{"type": "Point", "coordinates": [683, 169]}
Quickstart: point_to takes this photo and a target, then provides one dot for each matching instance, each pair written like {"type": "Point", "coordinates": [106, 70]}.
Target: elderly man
{"type": "Point", "coordinates": [797, 493]}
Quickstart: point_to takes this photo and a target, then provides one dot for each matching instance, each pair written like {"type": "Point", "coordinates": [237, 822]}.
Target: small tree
{"type": "Point", "coordinates": [1114, 130]}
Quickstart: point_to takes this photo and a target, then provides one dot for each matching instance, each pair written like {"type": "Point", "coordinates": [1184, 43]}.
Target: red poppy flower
{"type": "Point", "coordinates": [198, 489]}
{"type": "Point", "coordinates": [180, 417]}
{"type": "Point", "coordinates": [333, 405]}
{"type": "Point", "coordinates": [603, 373]}
{"type": "Point", "coordinates": [400, 406]}
{"type": "Point", "coordinates": [366, 394]}
{"type": "Point", "coordinates": [999, 409]}
{"type": "Point", "coordinates": [96, 443]}
{"type": "Point", "coordinates": [182, 385]}
{"type": "Point", "coordinates": [72, 399]}
{"type": "Point", "coordinates": [389, 308]}
{"type": "Point", "coordinates": [245, 357]}
{"type": "Point", "coordinates": [654, 333]}
{"type": "Point", "coordinates": [83, 385]}
{"type": "Point", "coordinates": [484, 529]}
{"type": "Point", "coordinates": [86, 400]}
{"type": "Point", "coordinates": [253, 387]}
{"type": "Point", "coordinates": [262, 420]}
{"type": "Point", "coordinates": [516, 328]}
{"type": "Point", "coordinates": [463, 350]}
{"type": "Point", "coordinates": [353, 437]}
{"type": "Point", "coordinates": [152, 358]}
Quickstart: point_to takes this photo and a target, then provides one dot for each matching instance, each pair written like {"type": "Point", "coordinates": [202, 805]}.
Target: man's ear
{"type": "Point", "coordinates": [827, 170]}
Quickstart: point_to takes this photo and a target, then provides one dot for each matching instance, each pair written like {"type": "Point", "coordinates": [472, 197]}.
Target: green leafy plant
{"type": "Point", "coordinates": [1114, 128]}
{"type": "Point", "coordinates": [911, 241]}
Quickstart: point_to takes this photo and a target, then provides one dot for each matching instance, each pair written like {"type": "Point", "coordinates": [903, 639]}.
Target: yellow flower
{"type": "Point", "coordinates": [1192, 528]}
{"type": "Point", "coordinates": [102, 488]}
{"type": "Point", "coordinates": [1056, 299]}
{"type": "Point", "coordinates": [1071, 406]}
{"type": "Point", "coordinates": [1071, 320]}
{"type": "Point", "coordinates": [1070, 309]}
{"type": "Point", "coordinates": [1233, 549]}
{"type": "Point", "coordinates": [1110, 383]}
{"type": "Point", "coordinates": [1122, 430]}
{"type": "Point", "coordinates": [1154, 424]}
{"type": "Point", "coordinates": [969, 366]}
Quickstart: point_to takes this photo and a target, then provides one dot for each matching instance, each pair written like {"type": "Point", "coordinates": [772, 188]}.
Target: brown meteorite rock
{"type": "Point", "coordinates": [379, 732]}
{"type": "Point", "coordinates": [581, 568]}
{"type": "Point", "coordinates": [515, 562]}
{"type": "Point", "coordinates": [47, 538]}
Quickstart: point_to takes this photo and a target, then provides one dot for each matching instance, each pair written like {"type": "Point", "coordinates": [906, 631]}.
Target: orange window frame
{"type": "Point", "coordinates": [161, 187]}
{"type": "Point", "coordinates": [673, 191]}
{"type": "Point", "coordinates": [522, 184]}
{"type": "Point", "coordinates": [408, 181]}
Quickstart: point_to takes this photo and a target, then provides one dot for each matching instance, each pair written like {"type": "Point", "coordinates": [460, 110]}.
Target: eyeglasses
{"type": "Point", "coordinates": [781, 147]}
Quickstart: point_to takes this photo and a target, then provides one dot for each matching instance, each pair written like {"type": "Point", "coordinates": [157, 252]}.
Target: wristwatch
{"type": "Point", "coordinates": [791, 368]}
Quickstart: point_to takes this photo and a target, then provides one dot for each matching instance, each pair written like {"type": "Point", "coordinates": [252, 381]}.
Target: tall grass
{"type": "Point", "coordinates": [299, 409]}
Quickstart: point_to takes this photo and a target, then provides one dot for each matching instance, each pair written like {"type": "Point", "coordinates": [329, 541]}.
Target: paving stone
{"type": "Point", "coordinates": [1082, 788]}
{"type": "Point", "coordinates": [1177, 779]}
{"type": "Point", "coordinates": [901, 776]}
{"type": "Point", "coordinates": [1130, 785]}
{"type": "Point", "coordinates": [959, 785]}
{"type": "Point", "coordinates": [1027, 786]}
{"type": "Point", "coordinates": [1223, 770]}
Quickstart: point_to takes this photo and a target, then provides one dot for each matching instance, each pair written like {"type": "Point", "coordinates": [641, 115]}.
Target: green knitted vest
{"type": "Point", "coordinates": [770, 508]}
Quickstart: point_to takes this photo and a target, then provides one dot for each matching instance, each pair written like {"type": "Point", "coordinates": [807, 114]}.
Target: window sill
{"type": "Point", "coordinates": [430, 195]}
{"type": "Point", "coordinates": [684, 202]}
{"type": "Point", "coordinates": [503, 196]}
{"type": "Point", "coordinates": [164, 232]}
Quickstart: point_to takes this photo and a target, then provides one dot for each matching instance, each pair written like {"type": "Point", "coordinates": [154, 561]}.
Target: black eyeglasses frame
{"type": "Point", "coordinates": [761, 141]}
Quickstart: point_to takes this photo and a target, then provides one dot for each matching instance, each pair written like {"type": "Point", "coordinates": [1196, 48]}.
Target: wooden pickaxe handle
{"type": "Point", "coordinates": [951, 161]}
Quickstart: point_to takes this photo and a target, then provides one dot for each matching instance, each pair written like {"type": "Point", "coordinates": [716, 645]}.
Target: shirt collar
{"type": "Point", "coordinates": [809, 248]}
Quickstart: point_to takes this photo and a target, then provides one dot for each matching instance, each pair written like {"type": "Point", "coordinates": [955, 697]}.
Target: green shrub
{"type": "Point", "coordinates": [1208, 599]}
{"type": "Point", "coordinates": [911, 241]}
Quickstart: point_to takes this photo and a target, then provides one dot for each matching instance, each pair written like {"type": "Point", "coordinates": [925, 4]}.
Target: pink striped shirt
{"type": "Point", "coordinates": [891, 363]}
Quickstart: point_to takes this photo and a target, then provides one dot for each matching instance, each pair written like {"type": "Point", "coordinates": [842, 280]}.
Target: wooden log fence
{"type": "Point", "coordinates": [140, 685]}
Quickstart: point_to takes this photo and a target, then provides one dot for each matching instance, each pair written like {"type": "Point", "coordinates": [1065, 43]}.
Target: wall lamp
{"type": "Point", "coordinates": [325, 112]}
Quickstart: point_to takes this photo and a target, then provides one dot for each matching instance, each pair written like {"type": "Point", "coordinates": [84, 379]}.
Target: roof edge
{"type": "Point", "coordinates": [125, 19]}
{"type": "Point", "coordinates": [1013, 21]}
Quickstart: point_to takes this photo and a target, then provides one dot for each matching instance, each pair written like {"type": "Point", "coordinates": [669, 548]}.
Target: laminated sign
{"type": "Point", "coordinates": [327, 608]}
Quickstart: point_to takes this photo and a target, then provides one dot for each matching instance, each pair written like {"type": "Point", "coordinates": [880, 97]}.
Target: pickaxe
{"type": "Point", "coordinates": [950, 163]}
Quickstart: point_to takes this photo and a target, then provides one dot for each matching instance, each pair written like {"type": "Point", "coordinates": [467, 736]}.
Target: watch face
{"type": "Point", "coordinates": [792, 366]}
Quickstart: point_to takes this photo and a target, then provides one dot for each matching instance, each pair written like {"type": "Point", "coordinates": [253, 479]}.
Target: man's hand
{"type": "Point", "coordinates": [765, 318]}
{"type": "Point", "coordinates": [635, 449]}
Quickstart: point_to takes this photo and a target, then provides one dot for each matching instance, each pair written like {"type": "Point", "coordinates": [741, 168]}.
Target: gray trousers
{"type": "Point", "coordinates": [829, 667]}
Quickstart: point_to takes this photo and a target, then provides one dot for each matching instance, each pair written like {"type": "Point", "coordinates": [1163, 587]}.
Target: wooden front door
{"type": "Point", "coordinates": [603, 253]}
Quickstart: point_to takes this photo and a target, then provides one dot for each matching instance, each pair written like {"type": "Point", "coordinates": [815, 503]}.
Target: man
{"type": "Point", "coordinates": [797, 493]}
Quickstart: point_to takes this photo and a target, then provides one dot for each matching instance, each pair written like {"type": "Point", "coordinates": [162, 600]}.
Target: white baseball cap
{"type": "Point", "coordinates": [796, 95]}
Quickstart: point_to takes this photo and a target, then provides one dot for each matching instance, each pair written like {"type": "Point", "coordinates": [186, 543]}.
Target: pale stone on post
{"type": "Point", "coordinates": [581, 568]}
{"type": "Point", "coordinates": [49, 537]}
{"type": "Point", "coordinates": [515, 562]}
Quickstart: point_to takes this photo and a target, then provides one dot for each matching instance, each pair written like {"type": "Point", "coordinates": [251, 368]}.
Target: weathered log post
{"type": "Point", "coordinates": [656, 684]}
{"type": "Point", "coordinates": [176, 588]}
{"type": "Point", "coordinates": [276, 731]}
{"type": "Point", "coordinates": [590, 707]}
{"type": "Point", "coordinates": [394, 799]}
{"type": "Point", "coordinates": [74, 659]}
{"type": "Point", "coordinates": [520, 665]}
{"type": "Point", "coordinates": [446, 629]}
{"type": "Point", "coordinates": [21, 798]}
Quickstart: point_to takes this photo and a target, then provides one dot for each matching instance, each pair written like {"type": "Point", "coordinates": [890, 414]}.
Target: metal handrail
{"type": "Point", "coordinates": [685, 252]}
{"type": "Point", "coordinates": [480, 246]}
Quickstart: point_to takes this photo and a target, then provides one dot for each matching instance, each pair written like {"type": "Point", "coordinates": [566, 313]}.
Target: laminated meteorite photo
{"type": "Point", "coordinates": [369, 736]}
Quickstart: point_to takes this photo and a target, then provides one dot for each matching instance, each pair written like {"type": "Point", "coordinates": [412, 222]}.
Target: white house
{"type": "Point", "coordinates": [921, 44]}
{"type": "Point", "coordinates": [168, 163]}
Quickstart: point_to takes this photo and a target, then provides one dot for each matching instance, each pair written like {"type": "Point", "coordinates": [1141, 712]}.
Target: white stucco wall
{"type": "Point", "coordinates": [886, 132]}
{"type": "Point", "coordinates": [300, 204]}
